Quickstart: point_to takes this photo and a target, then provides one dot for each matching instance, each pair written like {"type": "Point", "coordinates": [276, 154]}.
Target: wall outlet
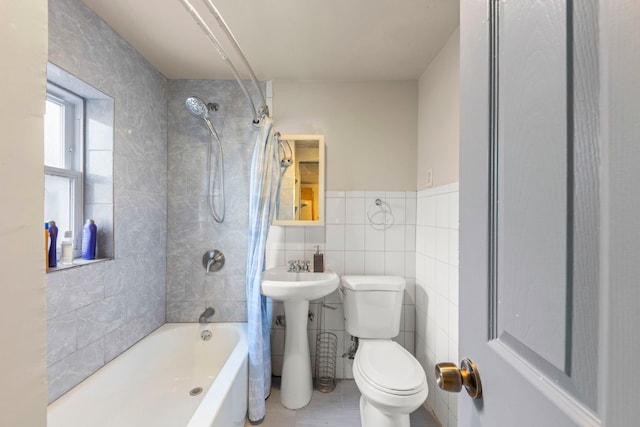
{"type": "Point", "coordinates": [429, 176]}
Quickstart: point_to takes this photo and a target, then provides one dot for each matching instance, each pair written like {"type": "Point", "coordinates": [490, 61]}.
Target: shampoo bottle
{"type": "Point", "coordinates": [46, 246]}
{"type": "Point", "coordinates": [318, 261]}
{"type": "Point", "coordinates": [89, 238]}
{"type": "Point", "coordinates": [53, 235]}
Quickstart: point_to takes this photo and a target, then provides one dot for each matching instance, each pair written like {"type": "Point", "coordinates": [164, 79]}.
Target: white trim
{"type": "Point", "coordinates": [73, 126]}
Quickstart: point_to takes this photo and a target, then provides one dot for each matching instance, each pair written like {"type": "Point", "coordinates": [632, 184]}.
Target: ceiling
{"type": "Point", "coordinates": [329, 40]}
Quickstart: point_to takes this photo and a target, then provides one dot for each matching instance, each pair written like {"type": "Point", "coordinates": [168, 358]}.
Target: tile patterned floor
{"type": "Point", "coordinates": [340, 408]}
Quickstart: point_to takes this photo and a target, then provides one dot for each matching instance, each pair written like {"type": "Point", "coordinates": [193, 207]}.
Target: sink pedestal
{"type": "Point", "coordinates": [296, 383]}
{"type": "Point", "coordinates": [295, 289]}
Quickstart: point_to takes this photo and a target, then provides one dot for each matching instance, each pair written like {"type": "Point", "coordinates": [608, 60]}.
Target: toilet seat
{"type": "Point", "coordinates": [389, 368]}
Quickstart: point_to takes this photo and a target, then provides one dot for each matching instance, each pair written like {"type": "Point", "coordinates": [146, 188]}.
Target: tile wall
{"type": "Point", "coordinates": [352, 245]}
{"type": "Point", "coordinates": [191, 230]}
{"type": "Point", "coordinates": [436, 291]}
{"type": "Point", "coordinates": [95, 312]}
{"type": "Point", "coordinates": [98, 178]}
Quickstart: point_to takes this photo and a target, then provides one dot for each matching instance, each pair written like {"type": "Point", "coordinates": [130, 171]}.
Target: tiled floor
{"type": "Point", "coordinates": [339, 408]}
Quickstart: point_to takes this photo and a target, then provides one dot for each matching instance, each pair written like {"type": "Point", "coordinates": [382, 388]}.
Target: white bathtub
{"type": "Point", "coordinates": [149, 384]}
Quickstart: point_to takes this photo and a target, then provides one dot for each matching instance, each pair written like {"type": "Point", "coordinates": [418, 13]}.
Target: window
{"type": "Point", "coordinates": [63, 162]}
{"type": "Point", "coordinates": [78, 160]}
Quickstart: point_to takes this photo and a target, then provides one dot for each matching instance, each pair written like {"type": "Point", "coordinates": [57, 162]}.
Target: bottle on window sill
{"type": "Point", "coordinates": [53, 235]}
{"type": "Point", "coordinates": [66, 253]}
{"type": "Point", "coordinates": [89, 240]}
{"type": "Point", "coordinates": [46, 246]}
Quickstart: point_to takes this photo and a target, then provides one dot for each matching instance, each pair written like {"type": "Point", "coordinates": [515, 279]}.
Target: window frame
{"type": "Point", "coordinates": [73, 158]}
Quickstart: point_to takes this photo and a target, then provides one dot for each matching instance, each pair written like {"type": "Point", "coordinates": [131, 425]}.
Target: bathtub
{"type": "Point", "coordinates": [151, 383]}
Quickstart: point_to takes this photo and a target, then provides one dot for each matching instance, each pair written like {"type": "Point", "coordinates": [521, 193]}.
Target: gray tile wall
{"type": "Point", "coordinates": [191, 230]}
{"type": "Point", "coordinates": [97, 311]}
{"type": "Point", "coordinates": [98, 177]}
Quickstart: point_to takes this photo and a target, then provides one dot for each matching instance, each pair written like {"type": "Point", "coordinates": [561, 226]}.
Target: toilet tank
{"type": "Point", "coordinates": [372, 305]}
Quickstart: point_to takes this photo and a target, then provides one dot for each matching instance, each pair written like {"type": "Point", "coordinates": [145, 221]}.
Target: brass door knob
{"type": "Point", "coordinates": [450, 378]}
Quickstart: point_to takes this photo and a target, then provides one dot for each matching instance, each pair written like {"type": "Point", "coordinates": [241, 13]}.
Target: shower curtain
{"type": "Point", "coordinates": [265, 177]}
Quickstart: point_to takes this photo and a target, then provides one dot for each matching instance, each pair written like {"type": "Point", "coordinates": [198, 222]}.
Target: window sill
{"type": "Point", "coordinates": [77, 262]}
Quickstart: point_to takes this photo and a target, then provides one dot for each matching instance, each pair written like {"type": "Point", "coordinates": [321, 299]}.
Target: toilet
{"type": "Point", "coordinates": [391, 381]}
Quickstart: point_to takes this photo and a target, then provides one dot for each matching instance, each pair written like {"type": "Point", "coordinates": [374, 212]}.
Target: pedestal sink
{"type": "Point", "coordinates": [296, 289]}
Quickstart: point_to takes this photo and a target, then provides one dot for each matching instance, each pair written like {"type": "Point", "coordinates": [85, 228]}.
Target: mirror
{"type": "Point", "coordinates": [301, 198]}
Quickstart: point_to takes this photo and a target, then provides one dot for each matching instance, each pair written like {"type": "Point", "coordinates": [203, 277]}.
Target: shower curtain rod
{"type": "Point", "coordinates": [264, 110]}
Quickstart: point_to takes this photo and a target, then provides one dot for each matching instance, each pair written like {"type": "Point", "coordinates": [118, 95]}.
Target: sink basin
{"type": "Point", "coordinates": [281, 285]}
{"type": "Point", "coordinates": [296, 290]}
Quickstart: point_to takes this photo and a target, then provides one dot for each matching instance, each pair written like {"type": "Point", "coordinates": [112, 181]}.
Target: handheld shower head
{"type": "Point", "coordinates": [200, 110]}
{"type": "Point", "coordinates": [197, 107]}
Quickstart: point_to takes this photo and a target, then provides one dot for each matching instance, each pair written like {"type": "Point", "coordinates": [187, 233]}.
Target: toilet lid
{"type": "Point", "coordinates": [373, 283]}
{"type": "Point", "coordinates": [390, 368]}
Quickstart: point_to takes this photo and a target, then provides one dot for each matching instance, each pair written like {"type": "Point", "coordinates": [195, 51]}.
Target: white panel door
{"type": "Point", "coordinates": [549, 211]}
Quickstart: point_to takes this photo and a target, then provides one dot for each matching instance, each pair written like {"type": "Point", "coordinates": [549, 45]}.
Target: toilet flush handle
{"type": "Point", "coordinates": [450, 378]}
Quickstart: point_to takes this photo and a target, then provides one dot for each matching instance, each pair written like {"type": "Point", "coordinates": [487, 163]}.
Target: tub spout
{"type": "Point", "coordinates": [204, 317]}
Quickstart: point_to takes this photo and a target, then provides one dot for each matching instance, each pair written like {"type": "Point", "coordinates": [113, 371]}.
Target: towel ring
{"type": "Point", "coordinates": [380, 215]}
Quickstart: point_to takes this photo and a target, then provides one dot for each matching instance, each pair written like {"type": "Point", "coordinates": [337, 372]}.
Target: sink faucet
{"type": "Point", "coordinates": [296, 266]}
{"type": "Point", "coordinates": [206, 314]}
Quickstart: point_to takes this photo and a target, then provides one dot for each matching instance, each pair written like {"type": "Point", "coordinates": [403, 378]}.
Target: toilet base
{"type": "Point", "coordinates": [370, 416]}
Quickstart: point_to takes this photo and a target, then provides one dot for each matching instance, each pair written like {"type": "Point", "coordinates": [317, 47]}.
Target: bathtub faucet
{"type": "Point", "coordinates": [204, 317]}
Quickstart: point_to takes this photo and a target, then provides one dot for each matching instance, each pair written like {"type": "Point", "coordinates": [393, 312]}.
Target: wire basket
{"type": "Point", "coordinates": [325, 366]}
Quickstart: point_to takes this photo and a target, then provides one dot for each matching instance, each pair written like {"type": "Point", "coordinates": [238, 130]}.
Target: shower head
{"type": "Point", "coordinates": [197, 107]}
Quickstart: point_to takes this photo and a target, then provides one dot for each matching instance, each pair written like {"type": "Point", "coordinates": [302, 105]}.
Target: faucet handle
{"type": "Point", "coordinates": [306, 265]}
{"type": "Point", "coordinates": [292, 266]}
